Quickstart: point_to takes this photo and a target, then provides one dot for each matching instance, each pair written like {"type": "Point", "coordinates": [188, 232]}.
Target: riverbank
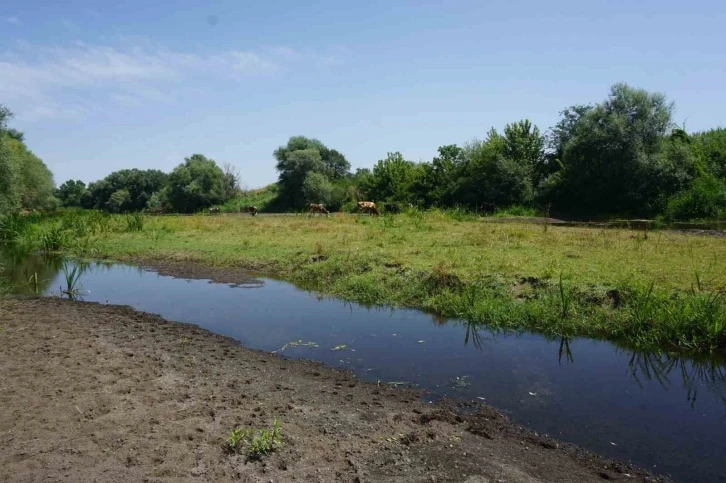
{"type": "Point", "coordinates": [104, 393]}
{"type": "Point", "coordinates": [615, 284]}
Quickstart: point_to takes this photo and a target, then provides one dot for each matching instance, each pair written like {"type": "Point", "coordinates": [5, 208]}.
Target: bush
{"type": "Point", "coordinates": [706, 198]}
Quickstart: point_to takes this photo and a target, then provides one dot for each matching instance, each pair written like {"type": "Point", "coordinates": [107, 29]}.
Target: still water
{"type": "Point", "coordinates": [662, 412]}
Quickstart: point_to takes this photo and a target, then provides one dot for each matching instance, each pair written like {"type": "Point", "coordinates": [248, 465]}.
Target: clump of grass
{"type": "Point", "coordinates": [52, 239]}
{"type": "Point", "coordinates": [255, 445]}
{"type": "Point", "coordinates": [11, 227]}
{"type": "Point", "coordinates": [71, 276]}
{"type": "Point", "coordinates": [134, 222]}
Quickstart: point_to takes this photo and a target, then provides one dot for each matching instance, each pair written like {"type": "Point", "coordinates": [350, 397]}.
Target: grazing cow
{"type": "Point", "coordinates": [488, 207]}
{"type": "Point", "coordinates": [252, 210]}
{"type": "Point", "coordinates": [369, 207]}
{"type": "Point", "coordinates": [214, 210]}
{"type": "Point", "coordinates": [392, 208]}
{"type": "Point", "coordinates": [317, 208]}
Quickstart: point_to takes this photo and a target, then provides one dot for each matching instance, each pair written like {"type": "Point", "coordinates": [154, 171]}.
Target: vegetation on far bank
{"type": "Point", "coordinates": [621, 157]}
{"type": "Point", "coordinates": [654, 289]}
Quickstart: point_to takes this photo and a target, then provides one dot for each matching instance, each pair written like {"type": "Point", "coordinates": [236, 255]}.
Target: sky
{"type": "Point", "coordinates": [102, 86]}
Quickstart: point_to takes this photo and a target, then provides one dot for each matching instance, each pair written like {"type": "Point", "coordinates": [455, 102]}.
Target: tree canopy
{"type": "Point", "coordinates": [25, 180]}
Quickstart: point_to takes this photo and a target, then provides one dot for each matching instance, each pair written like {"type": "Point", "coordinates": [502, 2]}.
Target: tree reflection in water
{"type": "Point", "coordinates": [694, 373]}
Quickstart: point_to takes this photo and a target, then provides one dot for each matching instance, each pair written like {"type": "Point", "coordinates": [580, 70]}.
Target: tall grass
{"type": "Point", "coordinates": [134, 222]}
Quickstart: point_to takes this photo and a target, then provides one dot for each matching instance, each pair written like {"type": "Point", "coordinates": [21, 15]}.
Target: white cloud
{"type": "Point", "coordinates": [13, 20]}
{"type": "Point", "coordinates": [133, 73]}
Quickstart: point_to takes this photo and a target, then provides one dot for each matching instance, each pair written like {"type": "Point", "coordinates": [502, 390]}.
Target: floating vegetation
{"type": "Point", "coordinates": [296, 343]}
{"type": "Point", "coordinates": [339, 347]}
{"type": "Point", "coordinates": [459, 382]}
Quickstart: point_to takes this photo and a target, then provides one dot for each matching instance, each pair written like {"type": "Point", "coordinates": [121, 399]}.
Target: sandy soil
{"type": "Point", "coordinates": [103, 393]}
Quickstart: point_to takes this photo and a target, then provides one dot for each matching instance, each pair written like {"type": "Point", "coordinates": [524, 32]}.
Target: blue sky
{"type": "Point", "coordinates": [101, 86]}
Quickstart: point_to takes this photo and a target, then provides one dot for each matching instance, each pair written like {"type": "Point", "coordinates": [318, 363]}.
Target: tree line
{"type": "Point", "coordinates": [623, 156]}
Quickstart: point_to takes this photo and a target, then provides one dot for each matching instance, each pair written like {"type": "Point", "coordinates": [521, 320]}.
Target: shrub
{"type": "Point", "coordinates": [706, 198]}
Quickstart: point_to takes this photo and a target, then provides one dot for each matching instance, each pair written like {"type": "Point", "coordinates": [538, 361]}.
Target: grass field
{"type": "Point", "coordinates": [647, 289]}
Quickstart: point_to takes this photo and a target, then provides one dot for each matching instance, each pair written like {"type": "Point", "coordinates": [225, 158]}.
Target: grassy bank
{"type": "Point", "coordinates": [648, 289]}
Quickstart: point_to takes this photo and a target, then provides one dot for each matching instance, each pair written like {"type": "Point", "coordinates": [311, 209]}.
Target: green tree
{"type": "Point", "coordinates": [301, 156]}
{"type": "Point", "coordinates": [71, 193]}
{"type": "Point", "coordinates": [140, 185]}
{"type": "Point", "coordinates": [609, 152]}
{"type": "Point", "coordinates": [393, 179]}
{"type": "Point", "coordinates": [36, 180]}
{"type": "Point", "coordinates": [710, 147]}
{"type": "Point", "coordinates": [438, 182]}
{"type": "Point", "coordinates": [25, 181]}
{"type": "Point", "coordinates": [119, 201]}
{"type": "Point", "coordinates": [196, 184]}
{"type": "Point", "coordinates": [9, 169]}
{"type": "Point", "coordinates": [317, 188]}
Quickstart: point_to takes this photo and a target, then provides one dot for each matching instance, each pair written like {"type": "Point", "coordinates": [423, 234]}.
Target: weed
{"type": "Point", "coordinates": [296, 343]}
{"type": "Point", "coordinates": [460, 382]}
{"type": "Point", "coordinates": [257, 445]}
{"type": "Point", "coordinates": [72, 277]}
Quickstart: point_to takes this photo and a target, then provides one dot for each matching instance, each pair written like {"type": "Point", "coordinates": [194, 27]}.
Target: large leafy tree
{"type": "Point", "coordinates": [136, 186]}
{"type": "Point", "coordinates": [9, 185]}
{"type": "Point", "coordinates": [438, 181]}
{"type": "Point", "coordinates": [25, 181]}
{"type": "Point", "coordinates": [609, 153]}
{"type": "Point", "coordinates": [71, 193]}
{"type": "Point", "coordinates": [300, 157]}
{"type": "Point", "coordinates": [195, 184]}
{"type": "Point", "coordinates": [393, 179]}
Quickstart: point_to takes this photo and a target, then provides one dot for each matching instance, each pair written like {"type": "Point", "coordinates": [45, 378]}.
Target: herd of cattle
{"type": "Point", "coordinates": [363, 206]}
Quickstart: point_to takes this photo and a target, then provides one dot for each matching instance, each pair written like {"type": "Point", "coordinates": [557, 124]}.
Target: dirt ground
{"type": "Point", "coordinates": [102, 393]}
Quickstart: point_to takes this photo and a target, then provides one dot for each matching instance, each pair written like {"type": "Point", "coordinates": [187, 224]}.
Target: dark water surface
{"type": "Point", "coordinates": [662, 412]}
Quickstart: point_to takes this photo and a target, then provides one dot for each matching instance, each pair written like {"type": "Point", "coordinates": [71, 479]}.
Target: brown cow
{"type": "Point", "coordinates": [252, 210]}
{"type": "Point", "coordinates": [317, 208]}
{"type": "Point", "coordinates": [368, 206]}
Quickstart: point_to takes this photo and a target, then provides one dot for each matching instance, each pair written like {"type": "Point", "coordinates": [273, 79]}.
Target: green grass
{"type": "Point", "coordinates": [255, 444]}
{"type": "Point", "coordinates": [656, 289]}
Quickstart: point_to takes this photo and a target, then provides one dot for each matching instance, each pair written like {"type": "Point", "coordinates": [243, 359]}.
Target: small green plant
{"type": "Point", "coordinates": [257, 445]}
{"type": "Point", "coordinates": [71, 277]}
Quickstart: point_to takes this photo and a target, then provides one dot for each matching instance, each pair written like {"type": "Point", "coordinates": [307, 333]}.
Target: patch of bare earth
{"type": "Point", "coordinates": [103, 393]}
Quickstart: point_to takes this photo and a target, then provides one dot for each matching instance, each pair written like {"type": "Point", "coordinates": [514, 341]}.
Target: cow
{"type": "Point", "coordinates": [369, 207]}
{"type": "Point", "coordinates": [392, 208]}
{"type": "Point", "coordinates": [317, 208]}
{"type": "Point", "coordinates": [252, 210]}
{"type": "Point", "coordinates": [488, 207]}
{"type": "Point", "coordinates": [214, 210]}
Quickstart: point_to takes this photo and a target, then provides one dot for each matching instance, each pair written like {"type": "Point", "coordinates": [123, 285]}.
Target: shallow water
{"type": "Point", "coordinates": [661, 412]}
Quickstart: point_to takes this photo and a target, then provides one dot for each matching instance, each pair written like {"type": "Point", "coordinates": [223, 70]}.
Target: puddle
{"type": "Point", "coordinates": [665, 413]}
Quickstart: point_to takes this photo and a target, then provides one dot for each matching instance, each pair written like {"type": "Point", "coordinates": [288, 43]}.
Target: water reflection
{"type": "Point", "coordinates": [694, 373]}
{"type": "Point", "coordinates": [29, 275]}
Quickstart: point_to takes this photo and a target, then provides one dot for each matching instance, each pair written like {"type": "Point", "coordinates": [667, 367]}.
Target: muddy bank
{"type": "Point", "coordinates": [103, 393]}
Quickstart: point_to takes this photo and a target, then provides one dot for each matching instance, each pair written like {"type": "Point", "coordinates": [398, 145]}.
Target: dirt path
{"type": "Point", "coordinates": [103, 393]}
